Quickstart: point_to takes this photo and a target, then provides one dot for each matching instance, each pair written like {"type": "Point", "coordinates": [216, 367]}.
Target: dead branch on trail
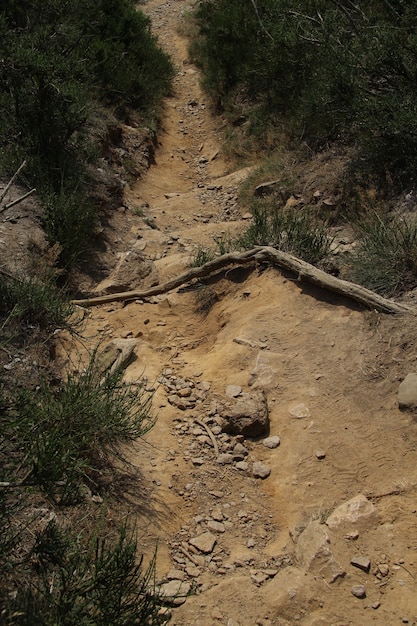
{"type": "Point", "coordinates": [10, 183]}
{"type": "Point", "coordinates": [263, 254]}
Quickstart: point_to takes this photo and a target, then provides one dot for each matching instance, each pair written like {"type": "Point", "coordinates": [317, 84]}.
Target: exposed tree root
{"type": "Point", "coordinates": [263, 254]}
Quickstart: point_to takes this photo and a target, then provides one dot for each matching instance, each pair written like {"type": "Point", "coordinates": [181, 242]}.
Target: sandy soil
{"type": "Point", "coordinates": [330, 372]}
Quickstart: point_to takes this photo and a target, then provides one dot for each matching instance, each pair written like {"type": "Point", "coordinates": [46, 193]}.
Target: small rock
{"type": "Point", "coordinates": [233, 391]}
{"type": "Point", "coordinates": [225, 458]}
{"type": "Point", "coordinates": [383, 569]}
{"type": "Point", "coordinates": [217, 527]}
{"type": "Point", "coordinates": [258, 577]}
{"type": "Point", "coordinates": [240, 450]}
{"type": "Point", "coordinates": [355, 511]}
{"type": "Point", "coordinates": [376, 605]}
{"type": "Point", "coordinates": [217, 515]}
{"type": "Point", "coordinates": [251, 543]}
{"type": "Point", "coordinates": [175, 591]}
{"type": "Point", "coordinates": [260, 470]}
{"type": "Point", "coordinates": [193, 571]}
{"type": "Point", "coordinates": [271, 442]}
{"type": "Point", "coordinates": [358, 591]}
{"type": "Point", "coordinates": [353, 535]}
{"type": "Point", "coordinates": [204, 542]}
{"type": "Point", "coordinates": [197, 461]}
{"type": "Point", "coordinates": [407, 392]}
{"type": "Point", "coordinates": [320, 454]}
{"type": "Point", "coordinates": [243, 466]}
{"type": "Point", "coordinates": [362, 562]}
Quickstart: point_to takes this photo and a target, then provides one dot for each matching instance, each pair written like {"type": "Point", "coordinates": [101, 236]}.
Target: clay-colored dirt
{"type": "Point", "coordinates": [343, 366]}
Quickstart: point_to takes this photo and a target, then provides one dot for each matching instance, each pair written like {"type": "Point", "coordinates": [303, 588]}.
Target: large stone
{"type": "Point", "coordinates": [247, 416]}
{"type": "Point", "coordinates": [407, 392]}
{"type": "Point", "coordinates": [132, 270]}
{"type": "Point", "coordinates": [357, 511]}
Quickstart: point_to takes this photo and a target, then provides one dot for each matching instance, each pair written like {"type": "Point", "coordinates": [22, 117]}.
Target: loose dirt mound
{"type": "Point", "coordinates": [240, 522]}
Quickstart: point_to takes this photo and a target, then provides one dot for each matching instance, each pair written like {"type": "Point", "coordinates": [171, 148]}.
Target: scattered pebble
{"type": "Point", "coordinates": [358, 591]}
{"type": "Point", "coordinates": [320, 454]}
{"type": "Point", "coordinates": [260, 470]}
{"type": "Point", "coordinates": [204, 542]}
{"type": "Point", "coordinates": [271, 442]}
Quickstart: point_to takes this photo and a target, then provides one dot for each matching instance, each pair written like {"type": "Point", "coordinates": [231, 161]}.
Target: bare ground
{"type": "Point", "coordinates": [313, 354]}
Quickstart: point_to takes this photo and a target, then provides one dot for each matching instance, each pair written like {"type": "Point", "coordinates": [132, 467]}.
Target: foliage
{"type": "Point", "coordinates": [85, 580]}
{"type": "Point", "coordinates": [59, 63]}
{"type": "Point", "coordinates": [67, 434]}
{"type": "Point", "coordinates": [290, 230]}
{"type": "Point", "coordinates": [328, 70]}
{"type": "Point", "coordinates": [386, 257]}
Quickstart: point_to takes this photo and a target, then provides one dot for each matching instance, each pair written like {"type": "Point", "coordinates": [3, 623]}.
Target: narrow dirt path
{"type": "Point", "coordinates": [256, 550]}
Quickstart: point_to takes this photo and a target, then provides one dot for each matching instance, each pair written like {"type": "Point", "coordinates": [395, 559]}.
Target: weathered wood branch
{"type": "Point", "coordinates": [305, 272]}
{"type": "Point", "coordinates": [17, 201]}
{"type": "Point", "coordinates": [9, 184]}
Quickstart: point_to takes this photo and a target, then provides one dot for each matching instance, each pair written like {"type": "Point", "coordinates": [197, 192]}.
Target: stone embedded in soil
{"type": "Point", "coordinates": [271, 442]}
{"type": "Point", "coordinates": [197, 461]}
{"type": "Point", "coordinates": [358, 591]}
{"type": "Point", "coordinates": [175, 574]}
{"type": "Point", "coordinates": [243, 466]}
{"type": "Point", "coordinates": [407, 392]}
{"type": "Point", "coordinates": [320, 454]}
{"type": "Point", "coordinates": [299, 411]}
{"type": "Point", "coordinates": [240, 450]}
{"type": "Point", "coordinates": [260, 470]}
{"type": "Point", "coordinates": [204, 542]}
{"type": "Point", "coordinates": [362, 562]}
{"type": "Point", "coordinates": [355, 511]}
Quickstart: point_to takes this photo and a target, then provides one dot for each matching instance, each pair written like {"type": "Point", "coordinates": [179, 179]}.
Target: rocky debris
{"type": "Point", "coordinates": [313, 545]}
{"type": "Point", "coordinates": [248, 416]}
{"type": "Point", "coordinates": [320, 454]}
{"type": "Point", "coordinates": [353, 511]}
{"type": "Point", "coordinates": [407, 392]}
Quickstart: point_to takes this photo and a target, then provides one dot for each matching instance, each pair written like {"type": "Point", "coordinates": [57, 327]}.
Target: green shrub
{"type": "Point", "coordinates": [295, 231]}
{"type": "Point", "coordinates": [85, 581]}
{"type": "Point", "coordinates": [385, 259]}
{"type": "Point", "coordinates": [28, 303]}
{"type": "Point", "coordinates": [68, 434]}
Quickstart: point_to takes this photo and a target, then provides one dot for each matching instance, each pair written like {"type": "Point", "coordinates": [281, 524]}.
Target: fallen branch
{"type": "Point", "coordinates": [17, 201]}
{"type": "Point", "coordinates": [305, 272]}
{"type": "Point", "coordinates": [210, 434]}
{"type": "Point", "coordinates": [10, 183]}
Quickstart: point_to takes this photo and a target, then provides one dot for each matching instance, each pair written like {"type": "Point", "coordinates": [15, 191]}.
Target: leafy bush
{"type": "Point", "coordinates": [298, 232]}
{"type": "Point", "coordinates": [85, 581]}
{"type": "Point", "coordinates": [386, 257]}
{"type": "Point", "coordinates": [68, 434]}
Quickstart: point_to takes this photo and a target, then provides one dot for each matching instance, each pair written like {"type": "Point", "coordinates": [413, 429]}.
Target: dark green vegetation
{"type": "Point", "coordinates": [68, 71]}
{"type": "Point", "coordinates": [310, 76]}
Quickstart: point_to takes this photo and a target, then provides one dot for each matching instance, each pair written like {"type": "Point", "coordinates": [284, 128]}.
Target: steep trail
{"type": "Point", "coordinates": [329, 373]}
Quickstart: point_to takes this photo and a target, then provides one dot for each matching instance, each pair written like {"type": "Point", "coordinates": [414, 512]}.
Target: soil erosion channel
{"type": "Point", "coordinates": [253, 523]}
